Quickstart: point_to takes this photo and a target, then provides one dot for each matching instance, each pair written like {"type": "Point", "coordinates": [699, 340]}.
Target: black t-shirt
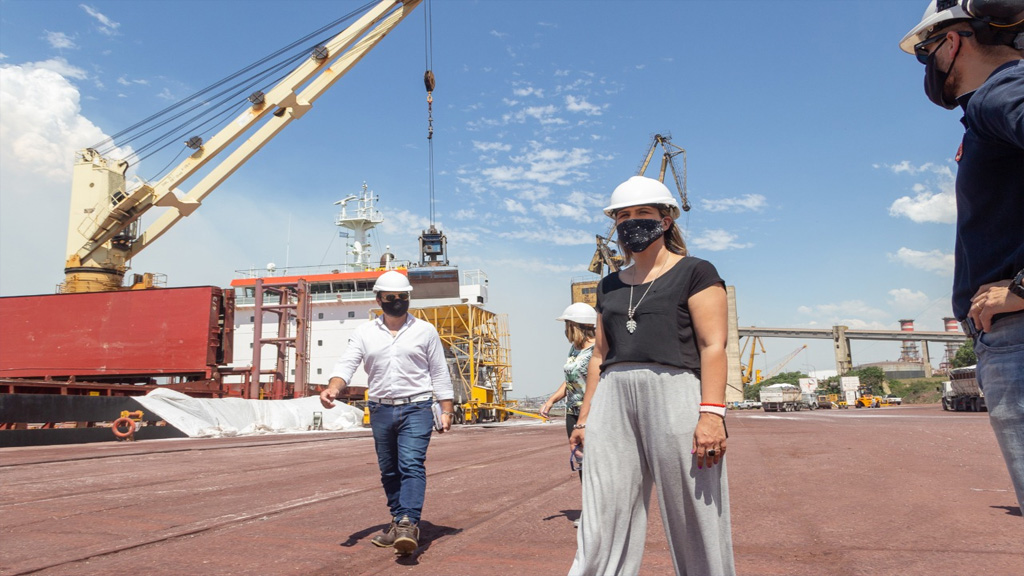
{"type": "Point", "coordinates": [664, 333]}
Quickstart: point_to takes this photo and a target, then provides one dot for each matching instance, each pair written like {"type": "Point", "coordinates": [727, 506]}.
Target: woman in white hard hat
{"type": "Point", "coordinates": [654, 408]}
{"type": "Point", "coordinates": [579, 319]}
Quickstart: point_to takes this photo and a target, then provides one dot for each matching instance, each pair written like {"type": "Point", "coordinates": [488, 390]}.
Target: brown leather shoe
{"type": "Point", "coordinates": [387, 538]}
{"type": "Point", "coordinates": [407, 536]}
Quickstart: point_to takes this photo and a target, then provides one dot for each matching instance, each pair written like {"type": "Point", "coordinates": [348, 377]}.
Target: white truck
{"type": "Point", "coordinates": [961, 392]}
{"type": "Point", "coordinates": [780, 398]}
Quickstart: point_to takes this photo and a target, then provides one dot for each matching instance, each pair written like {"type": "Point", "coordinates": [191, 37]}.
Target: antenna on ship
{"type": "Point", "coordinates": [433, 243]}
{"type": "Point", "coordinates": [360, 221]}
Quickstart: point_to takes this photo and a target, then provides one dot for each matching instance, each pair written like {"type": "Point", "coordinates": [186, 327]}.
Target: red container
{"type": "Point", "coordinates": [157, 332]}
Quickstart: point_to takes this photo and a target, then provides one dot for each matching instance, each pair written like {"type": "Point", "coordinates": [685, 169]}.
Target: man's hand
{"type": "Point", "coordinates": [545, 409]}
{"type": "Point", "coordinates": [328, 396]}
{"type": "Point", "coordinates": [992, 299]}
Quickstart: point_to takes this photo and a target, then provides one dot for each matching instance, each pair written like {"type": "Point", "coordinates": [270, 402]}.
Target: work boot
{"type": "Point", "coordinates": [387, 538]}
{"type": "Point", "coordinates": [407, 536]}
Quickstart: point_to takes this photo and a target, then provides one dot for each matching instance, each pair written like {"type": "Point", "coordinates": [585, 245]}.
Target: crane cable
{"type": "Point", "coordinates": [428, 81]}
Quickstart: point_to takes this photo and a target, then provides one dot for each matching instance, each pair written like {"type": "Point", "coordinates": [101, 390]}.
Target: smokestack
{"type": "Point", "coordinates": [909, 352]}
{"type": "Point", "coordinates": [951, 347]}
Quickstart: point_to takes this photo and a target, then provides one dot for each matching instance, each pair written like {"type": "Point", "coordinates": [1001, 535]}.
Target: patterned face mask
{"type": "Point", "coordinates": [639, 233]}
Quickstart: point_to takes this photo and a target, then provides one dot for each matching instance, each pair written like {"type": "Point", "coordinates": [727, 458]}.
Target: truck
{"type": "Point", "coordinates": [809, 400]}
{"type": "Point", "coordinates": [780, 398]}
{"type": "Point", "coordinates": [961, 392]}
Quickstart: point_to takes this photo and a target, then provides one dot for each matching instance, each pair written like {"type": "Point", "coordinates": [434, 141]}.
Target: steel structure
{"type": "Point", "coordinates": [477, 347]}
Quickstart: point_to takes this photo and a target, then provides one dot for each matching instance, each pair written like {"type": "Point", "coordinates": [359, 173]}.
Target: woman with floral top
{"type": "Point", "coordinates": [579, 321]}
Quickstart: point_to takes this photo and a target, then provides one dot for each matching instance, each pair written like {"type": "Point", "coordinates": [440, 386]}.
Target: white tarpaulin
{"type": "Point", "coordinates": [214, 417]}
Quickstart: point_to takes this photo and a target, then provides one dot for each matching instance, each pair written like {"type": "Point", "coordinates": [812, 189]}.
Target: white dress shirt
{"type": "Point", "coordinates": [407, 364]}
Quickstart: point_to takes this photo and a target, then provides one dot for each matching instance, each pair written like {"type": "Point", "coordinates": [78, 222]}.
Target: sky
{"type": "Point", "coordinates": [821, 178]}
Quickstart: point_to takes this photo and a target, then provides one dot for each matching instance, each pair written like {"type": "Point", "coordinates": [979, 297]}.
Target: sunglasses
{"type": "Point", "coordinates": [922, 54]}
{"type": "Point", "coordinates": [393, 297]}
{"type": "Point", "coordinates": [576, 459]}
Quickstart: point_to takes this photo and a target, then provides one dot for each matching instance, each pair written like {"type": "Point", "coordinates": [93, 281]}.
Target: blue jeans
{"type": "Point", "coordinates": [401, 435]}
{"type": "Point", "coordinates": [1000, 373]}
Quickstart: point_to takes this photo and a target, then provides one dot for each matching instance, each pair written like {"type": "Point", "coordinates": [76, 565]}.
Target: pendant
{"type": "Point", "coordinates": [631, 325]}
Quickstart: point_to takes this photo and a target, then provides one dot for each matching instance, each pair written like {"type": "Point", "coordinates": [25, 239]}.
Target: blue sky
{"type": "Point", "coordinates": [820, 175]}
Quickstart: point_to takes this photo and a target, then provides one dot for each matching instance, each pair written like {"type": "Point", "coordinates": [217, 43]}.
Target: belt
{"type": "Point", "coordinates": [406, 400]}
{"type": "Point", "coordinates": [968, 327]}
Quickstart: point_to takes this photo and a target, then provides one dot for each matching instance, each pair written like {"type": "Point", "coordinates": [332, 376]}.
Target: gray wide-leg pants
{"type": "Point", "coordinates": [640, 432]}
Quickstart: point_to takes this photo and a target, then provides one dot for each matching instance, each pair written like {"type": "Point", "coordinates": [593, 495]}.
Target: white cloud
{"type": "Point", "coordinates": [745, 203]}
{"type": "Point", "coordinates": [574, 104]}
{"type": "Point", "coordinates": [514, 206]}
{"type": "Point", "coordinates": [905, 300]}
{"type": "Point", "coordinates": [715, 241]}
{"type": "Point", "coordinates": [41, 127]}
{"type": "Point", "coordinates": [932, 261]}
{"type": "Point", "coordinates": [926, 206]}
{"type": "Point", "coordinates": [106, 25]}
{"type": "Point", "coordinates": [543, 114]}
{"type": "Point", "coordinates": [905, 167]}
{"type": "Point", "coordinates": [934, 200]}
{"type": "Point", "coordinates": [491, 146]}
{"type": "Point", "coordinates": [528, 91]}
{"type": "Point", "coordinates": [556, 236]}
{"type": "Point", "coordinates": [60, 41]}
{"type": "Point", "coordinates": [855, 314]}
{"type": "Point", "coordinates": [59, 66]}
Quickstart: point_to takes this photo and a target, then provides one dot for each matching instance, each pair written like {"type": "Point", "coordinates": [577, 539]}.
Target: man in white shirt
{"type": "Point", "coordinates": [407, 370]}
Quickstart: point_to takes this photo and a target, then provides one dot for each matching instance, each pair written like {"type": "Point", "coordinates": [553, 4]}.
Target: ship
{"type": "Point", "coordinates": [290, 327]}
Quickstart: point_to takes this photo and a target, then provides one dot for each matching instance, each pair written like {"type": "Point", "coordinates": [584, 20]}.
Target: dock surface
{"type": "Point", "coordinates": [906, 491]}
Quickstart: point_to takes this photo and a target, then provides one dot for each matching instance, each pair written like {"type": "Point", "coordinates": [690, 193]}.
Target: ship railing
{"type": "Point", "coordinates": [317, 297]}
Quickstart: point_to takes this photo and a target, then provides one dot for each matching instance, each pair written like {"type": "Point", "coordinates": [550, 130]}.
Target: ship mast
{"type": "Point", "coordinates": [364, 218]}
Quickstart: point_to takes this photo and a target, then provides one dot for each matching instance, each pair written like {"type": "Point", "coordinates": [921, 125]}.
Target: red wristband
{"type": "Point", "coordinates": [712, 404]}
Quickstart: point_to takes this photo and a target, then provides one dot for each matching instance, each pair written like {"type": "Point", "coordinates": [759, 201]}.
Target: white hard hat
{"type": "Point", "coordinates": [392, 281]}
{"type": "Point", "coordinates": [638, 191]}
{"type": "Point", "coordinates": [580, 313]}
{"type": "Point", "coordinates": [938, 12]}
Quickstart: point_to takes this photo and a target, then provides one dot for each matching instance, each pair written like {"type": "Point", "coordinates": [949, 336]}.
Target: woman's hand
{"type": "Point", "coordinates": [576, 438]}
{"type": "Point", "coordinates": [545, 409]}
{"type": "Point", "coordinates": [709, 440]}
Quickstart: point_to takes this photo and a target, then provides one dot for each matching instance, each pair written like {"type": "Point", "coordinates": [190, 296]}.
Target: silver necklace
{"type": "Point", "coordinates": [630, 322]}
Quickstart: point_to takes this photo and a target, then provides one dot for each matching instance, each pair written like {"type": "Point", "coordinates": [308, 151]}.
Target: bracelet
{"type": "Point", "coordinates": [448, 413]}
{"type": "Point", "coordinates": [713, 409]}
{"type": "Point", "coordinates": [578, 426]}
{"type": "Point", "coordinates": [712, 404]}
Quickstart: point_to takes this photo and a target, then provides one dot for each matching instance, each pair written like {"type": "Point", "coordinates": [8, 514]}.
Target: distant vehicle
{"type": "Point", "coordinates": [809, 401]}
{"type": "Point", "coordinates": [744, 405]}
{"type": "Point", "coordinates": [755, 404]}
{"type": "Point", "coordinates": [780, 398]}
{"type": "Point", "coordinates": [961, 392]}
{"type": "Point", "coordinates": [894, 399]}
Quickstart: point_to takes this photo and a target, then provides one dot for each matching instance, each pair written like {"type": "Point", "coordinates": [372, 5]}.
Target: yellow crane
{"type": "Point", "coordinates": [747, 372]}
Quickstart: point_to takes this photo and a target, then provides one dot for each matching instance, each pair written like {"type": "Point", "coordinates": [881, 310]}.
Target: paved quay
{"type": "Point", "coordinates": [905, 491]}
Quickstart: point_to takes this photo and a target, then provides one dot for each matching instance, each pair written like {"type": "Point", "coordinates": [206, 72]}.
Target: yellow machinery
{"type": "Point", "coordinates": [747, 372]}
{"type": "Point", "coordinates": [477, 347]}
{"type": "Point", "coordinates": [831, 401]}
{"type": "Point", "coordinates": [865, 399]}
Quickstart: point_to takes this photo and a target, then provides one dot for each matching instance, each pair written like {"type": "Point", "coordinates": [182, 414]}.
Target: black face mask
{"type": "Point", "coordinates": [397, 308]}
{"type": "Point", "coordinates": [639, 233]}
{"type": "Point", "coordinates": [935, 81]}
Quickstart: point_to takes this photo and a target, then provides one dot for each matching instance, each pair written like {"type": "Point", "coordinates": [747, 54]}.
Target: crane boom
{"type": "Point", "coordinates": [778, 367]}
{"type": "Point", "coordinates": [604, 255]}
{"type": "Point", "coordinates": [102, 231]}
